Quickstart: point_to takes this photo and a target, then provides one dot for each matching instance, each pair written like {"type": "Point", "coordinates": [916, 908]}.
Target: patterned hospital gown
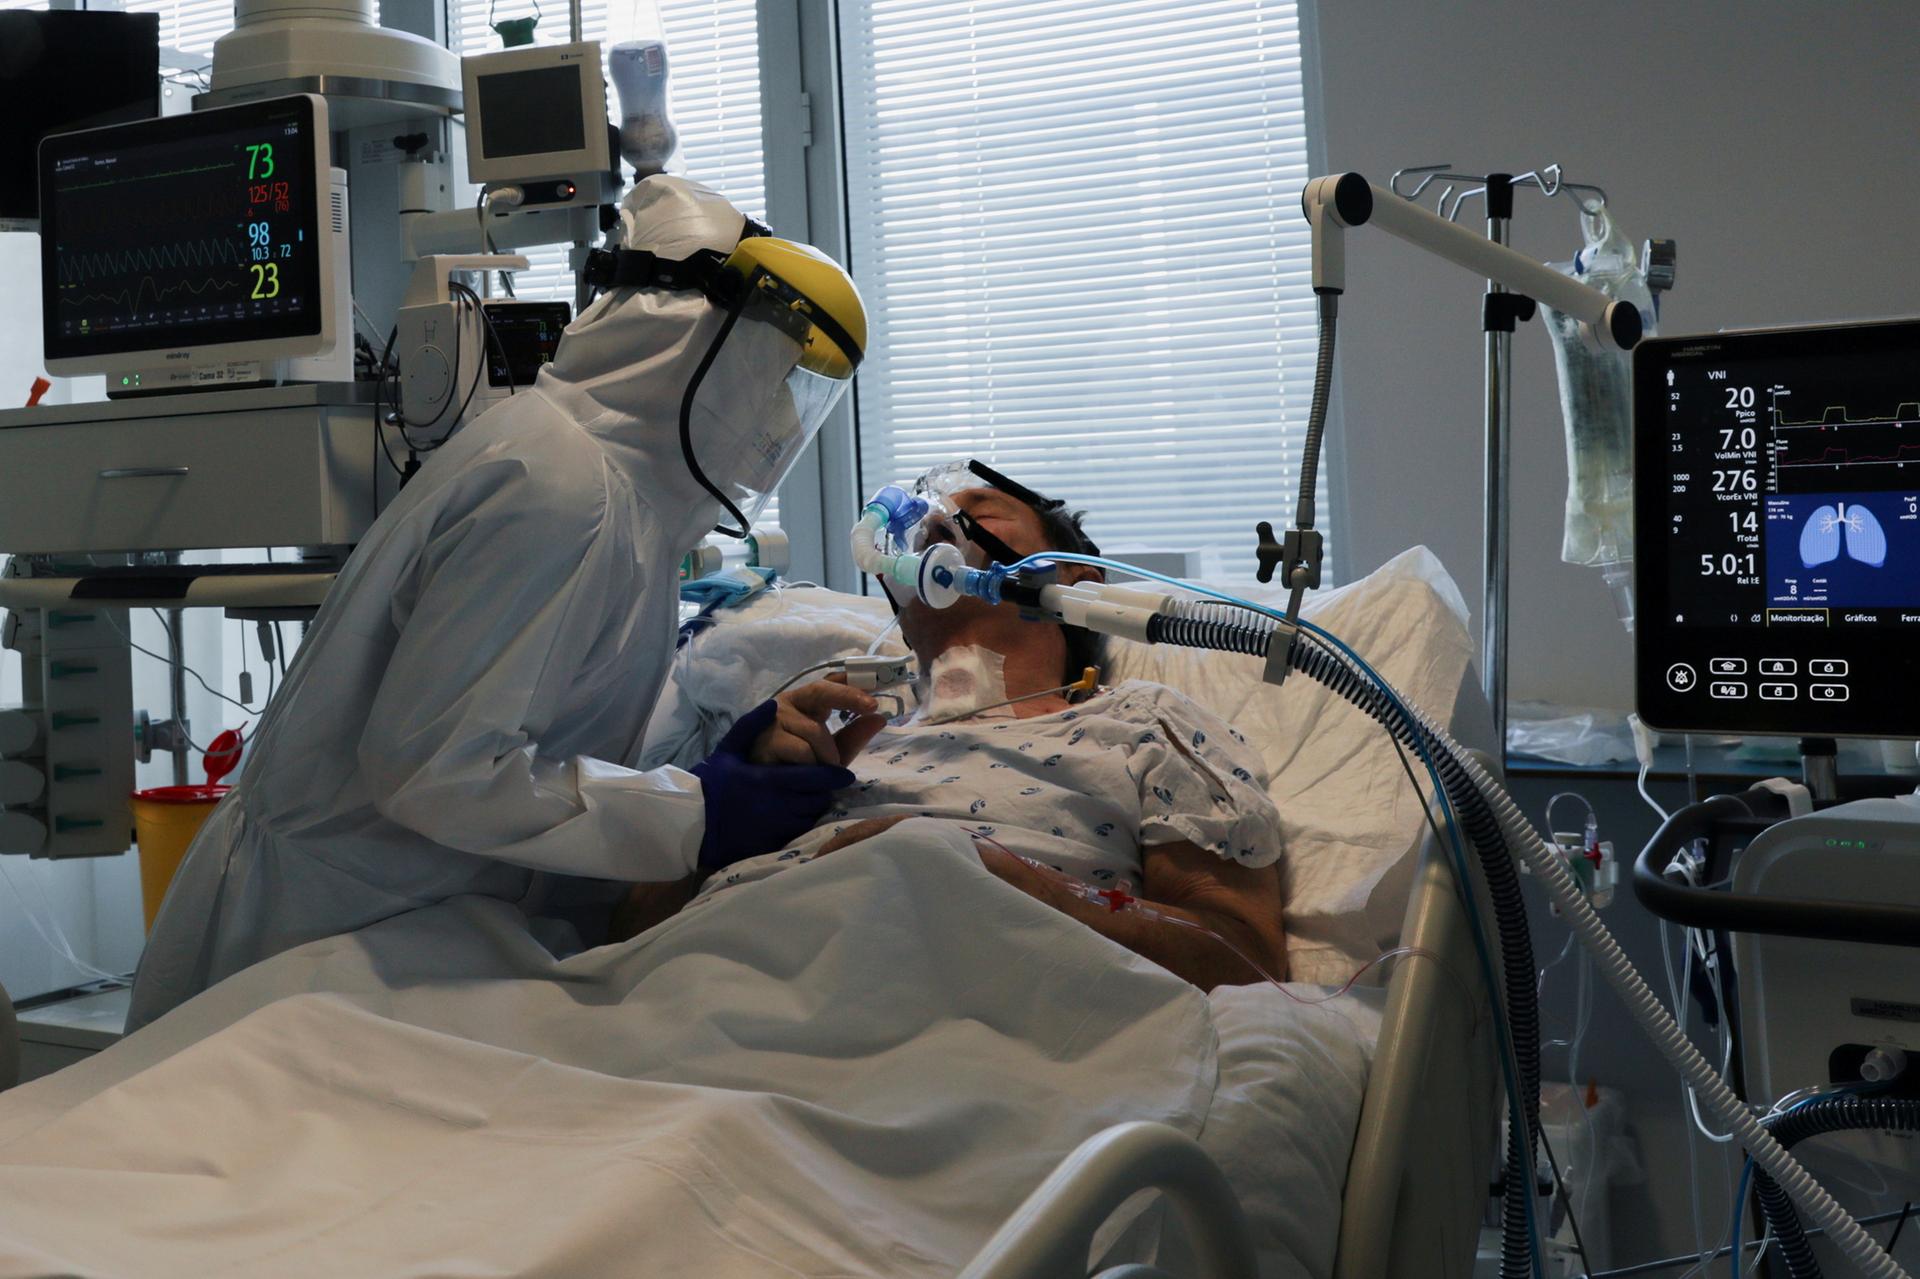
{"type": "Point", "coordinates": [1083, 790]}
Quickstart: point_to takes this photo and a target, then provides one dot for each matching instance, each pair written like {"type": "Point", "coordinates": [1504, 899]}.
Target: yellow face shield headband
{"type": "Point", "coordinates": [800, 330]}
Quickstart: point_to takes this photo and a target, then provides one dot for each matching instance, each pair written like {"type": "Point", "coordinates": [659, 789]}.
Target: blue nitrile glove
{"type": "Point", "coordinates": [725, 590]}
{"type": "Point", "coordinates": [758, 808]}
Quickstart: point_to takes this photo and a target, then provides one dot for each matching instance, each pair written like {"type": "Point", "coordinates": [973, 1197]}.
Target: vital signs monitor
{"type": "Point", "coordinates": [192, 251]}
{"type": "Point", "coordinates": [1777, 528]}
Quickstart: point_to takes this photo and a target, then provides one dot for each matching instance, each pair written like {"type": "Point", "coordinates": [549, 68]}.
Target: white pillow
{"type": "Point", "coordinates": [749, 651]}
{"type": "Point", "coordinates": [1352, 824]}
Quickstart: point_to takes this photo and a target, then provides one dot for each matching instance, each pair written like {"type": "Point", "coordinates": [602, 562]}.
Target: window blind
{"type": "Point", "coordinates": [1077, 228]}
{"type": "Point", "coordinates": [190, 26]}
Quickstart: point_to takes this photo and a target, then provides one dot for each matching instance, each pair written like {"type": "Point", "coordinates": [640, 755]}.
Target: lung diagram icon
{"type": "Point", "coordinates": [1827, 527]}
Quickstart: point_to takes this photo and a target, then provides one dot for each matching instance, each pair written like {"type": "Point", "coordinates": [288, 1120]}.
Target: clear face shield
{"type": "Point", "coordinates": [755, 402]}
{"type": "Point", "coordinates": [789, 334]}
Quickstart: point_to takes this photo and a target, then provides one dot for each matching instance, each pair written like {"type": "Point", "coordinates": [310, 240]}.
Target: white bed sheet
{"type": "Point", "coordinates": [860, 1071]}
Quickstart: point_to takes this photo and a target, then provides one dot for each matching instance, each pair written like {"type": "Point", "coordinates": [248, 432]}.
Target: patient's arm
{"type": "Point", "coordinates": [1238, 902]}
{"type": "Point", "coordinates": [648, 904]}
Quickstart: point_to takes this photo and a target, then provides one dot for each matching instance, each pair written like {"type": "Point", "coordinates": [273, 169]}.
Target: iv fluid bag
{"type": "Point", "coordinates": [638, 69]}
{"type": "Point", "coordinates": [1596, 402]}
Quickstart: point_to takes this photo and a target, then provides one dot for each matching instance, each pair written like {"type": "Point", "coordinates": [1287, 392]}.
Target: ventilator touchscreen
{"type": "Point", "coordinates": [1780, 480]}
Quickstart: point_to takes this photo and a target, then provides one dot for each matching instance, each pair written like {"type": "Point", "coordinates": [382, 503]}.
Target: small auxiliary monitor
{"type": "Point", "coordinates": [196, 251]}
{"type": "Point", "coordinates": [1777, 530]}
{"type": "Point", "coordinates": [537, 116]}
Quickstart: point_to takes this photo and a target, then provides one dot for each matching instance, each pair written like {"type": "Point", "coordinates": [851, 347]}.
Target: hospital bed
{"type": "Point", "coordinates": [415, 1063]}
{"type": "Point", "coordinates": [1423, 1153]}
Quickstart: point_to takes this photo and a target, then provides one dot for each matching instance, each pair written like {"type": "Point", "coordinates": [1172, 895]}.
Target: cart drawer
{"type": "Point", "coordinates": [280, 477]}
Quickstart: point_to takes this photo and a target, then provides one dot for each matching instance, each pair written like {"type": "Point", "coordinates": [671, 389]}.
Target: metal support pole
{"type": "Point", "coordinates": [574, 22]}
{"type": "Point", "coordinates": [177, 692]}
{"type": "Point", "coordinates": [1497, 543]}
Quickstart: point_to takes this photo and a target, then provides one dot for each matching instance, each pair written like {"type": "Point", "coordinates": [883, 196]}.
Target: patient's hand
{"type": "Point", "coordinates": [799, 733]}
{"type": "Point", "coordinates": [860, 830]}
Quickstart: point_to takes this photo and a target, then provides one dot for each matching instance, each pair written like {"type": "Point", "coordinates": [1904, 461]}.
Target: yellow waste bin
{"type": "Point", "coordinates": [165, 820]}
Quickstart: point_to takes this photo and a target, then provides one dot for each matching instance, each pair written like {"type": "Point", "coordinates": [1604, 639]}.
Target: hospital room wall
{"type": "Point", "coordinates": [1770, 139]}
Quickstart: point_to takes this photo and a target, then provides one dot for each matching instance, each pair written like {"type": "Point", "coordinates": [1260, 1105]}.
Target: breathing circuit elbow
{"type": "Point", "coordinates": [939, 576]}
{"type": "Point", "coordinates": [901, 509]}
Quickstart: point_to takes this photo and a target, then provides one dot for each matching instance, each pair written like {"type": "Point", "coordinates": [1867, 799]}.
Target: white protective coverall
{"type": "Point", "coordinates": [457, 717]}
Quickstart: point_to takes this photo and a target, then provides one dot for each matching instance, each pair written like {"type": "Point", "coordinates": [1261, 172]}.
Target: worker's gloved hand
{"type": "Point", "coordinates": [758, 808]}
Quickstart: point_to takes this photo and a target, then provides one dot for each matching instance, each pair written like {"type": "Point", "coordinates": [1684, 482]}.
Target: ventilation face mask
{"type": "Point", "coordinates": [946, 520]}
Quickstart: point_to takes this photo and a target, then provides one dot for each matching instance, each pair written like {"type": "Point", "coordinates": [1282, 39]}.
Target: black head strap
{"type": "Point", "coordinates": [1014, 489]}
{"type": "Point", "coordinates": [976, 532]}
{"type": "Point", "coordinates": [637, 268]}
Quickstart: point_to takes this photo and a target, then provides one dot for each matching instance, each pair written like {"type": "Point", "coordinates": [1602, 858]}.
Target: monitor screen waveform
{"type": "Point", "coordinates": [150, 293]}
{"type": "Point", "coordinates": [182, 232]}
{"type": "Point", "coordinates": [189, 255]}
{"type": "Point", "coordinates": [1838, 439]}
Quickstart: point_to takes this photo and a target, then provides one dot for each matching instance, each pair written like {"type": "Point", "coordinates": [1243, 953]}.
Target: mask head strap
{"type": "Point", "coordinates": [975, 532]}
{"type": "Point", "coordinates": [1014, 489]}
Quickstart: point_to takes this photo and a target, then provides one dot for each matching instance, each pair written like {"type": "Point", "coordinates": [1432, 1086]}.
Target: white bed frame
{"type": "Point", "coordinates": [1423, 1154]}
{"type": "Point", "coordinates": [1417, 1184]}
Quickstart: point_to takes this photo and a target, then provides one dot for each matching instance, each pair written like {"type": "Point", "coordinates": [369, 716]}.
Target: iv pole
{"type": "Point", "coordinates": [1499, 312]}
{"type": "Point", "coordinates": [1514, 283]}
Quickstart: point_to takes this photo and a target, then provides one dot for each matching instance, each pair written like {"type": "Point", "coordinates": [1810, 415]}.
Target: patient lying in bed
{"type": "Point", "coordinates": [1135, 788]}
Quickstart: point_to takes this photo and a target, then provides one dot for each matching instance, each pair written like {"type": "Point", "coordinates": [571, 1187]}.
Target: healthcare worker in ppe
{"type": "Point", "coordinates": [458, 714]}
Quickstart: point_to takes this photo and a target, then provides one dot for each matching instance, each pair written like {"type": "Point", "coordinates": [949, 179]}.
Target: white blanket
{"type": "Point", "coordinates": [861, 1071]}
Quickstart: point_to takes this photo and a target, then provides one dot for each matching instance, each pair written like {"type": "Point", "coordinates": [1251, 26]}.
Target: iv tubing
{"type": "Point", "coordinates": [1767, 1153]}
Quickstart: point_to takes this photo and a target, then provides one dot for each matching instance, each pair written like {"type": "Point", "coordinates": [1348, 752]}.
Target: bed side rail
{"type": "Point", "coordinates": [1051, 1235]}
{"type": "Point", "coordinates": [1422, 1157]}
